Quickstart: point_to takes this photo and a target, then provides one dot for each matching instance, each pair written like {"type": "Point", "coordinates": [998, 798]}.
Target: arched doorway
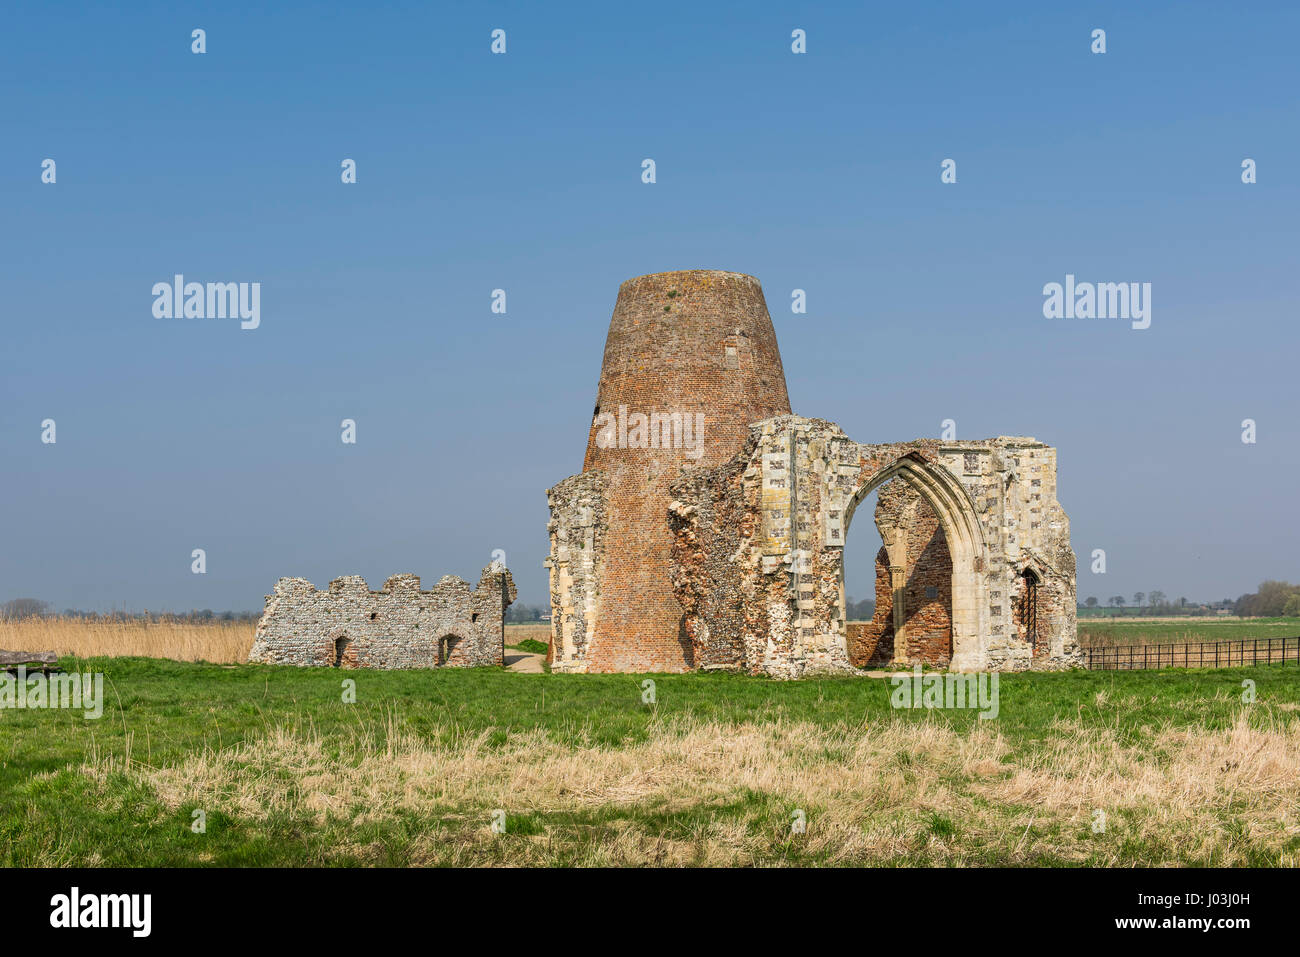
{"type": "Point", "coordinates": [898, 549]}
{"type": "Point", "coordinates": [931, 520]}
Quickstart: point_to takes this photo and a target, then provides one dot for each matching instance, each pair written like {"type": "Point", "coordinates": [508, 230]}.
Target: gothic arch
{"type": "Point", "coordinates": [956, 513]}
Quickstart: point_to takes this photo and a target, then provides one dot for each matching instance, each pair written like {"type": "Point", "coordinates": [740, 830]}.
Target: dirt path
{"type": "Point", "coordinates": [525, 662]}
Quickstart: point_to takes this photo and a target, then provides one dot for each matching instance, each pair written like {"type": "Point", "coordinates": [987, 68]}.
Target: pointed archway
{"type": "Point", "coordinates": [946, 496]}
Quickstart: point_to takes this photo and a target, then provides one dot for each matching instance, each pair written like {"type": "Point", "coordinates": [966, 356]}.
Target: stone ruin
{"type": "Point", "coordinates": [707, 530]}
{"type": "Point", "coordinates": [728, 553]}
{"type": "Point", "coordinates": [398, 626]}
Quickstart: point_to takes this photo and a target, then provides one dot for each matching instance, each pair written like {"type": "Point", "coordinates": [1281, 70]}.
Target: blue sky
{"type": "Point", "coordinates": [522, 171]}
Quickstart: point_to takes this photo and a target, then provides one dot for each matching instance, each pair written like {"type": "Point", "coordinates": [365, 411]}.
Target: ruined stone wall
{"type": "Point", "coordinates": [718, 602]}
{"type": "Point", "coordinates": [579, 530]}
{"type": "Point", "coordinates": [399, 626]}
{"type": "Point", "coordinates": [994, 500]}
{"type": "Point", "coordinates": [697, 345]}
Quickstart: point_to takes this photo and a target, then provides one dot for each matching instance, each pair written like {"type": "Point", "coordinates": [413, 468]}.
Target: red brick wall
{"type": "Point", "coordinates": [667, 351]}
{"type": "Point", "coordinates": [872, 642]}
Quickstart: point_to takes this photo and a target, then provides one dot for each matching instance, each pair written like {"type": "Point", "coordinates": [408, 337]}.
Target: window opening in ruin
{"type": "Point", "coordinates": [473, 617]}
{"type": "Point", "coordinates": [1029, 606]}
{"type": "Point", "coordinates": [446, 645]}
{"type": "Point", "coordinates": [374, 615]}
{"type": "Point", "coordinates": [340, 649]}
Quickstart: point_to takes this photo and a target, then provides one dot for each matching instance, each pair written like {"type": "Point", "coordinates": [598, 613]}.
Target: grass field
{"type": "Point", "coordinates": [532, 637]}
{"type": "Point", "coordinates": [1097, 633]}
{"type": "Point", "coordinates": [228, 643]}
{"type": "Point", "coordinates": [585, 772]}
{"type": "Point", "coordinates": [712, 773]}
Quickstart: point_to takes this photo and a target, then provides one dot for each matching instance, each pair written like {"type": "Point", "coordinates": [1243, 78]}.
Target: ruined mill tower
{"type": "Point", "coordinates": [708, 526]}
{"type": "Point", "coordinates": [691, 360]}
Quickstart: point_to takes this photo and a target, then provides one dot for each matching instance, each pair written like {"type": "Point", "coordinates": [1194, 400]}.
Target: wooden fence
{"type": "Point", "coordinates": [1195, 654]}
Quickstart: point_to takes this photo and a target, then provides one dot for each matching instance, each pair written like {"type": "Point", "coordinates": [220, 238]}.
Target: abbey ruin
{"type": "Point", "coordinates": [724, 549]}
{"type": "Point", "coordinates": [708, 525]}
{"type": "Point", "coordinates": [399, 626]}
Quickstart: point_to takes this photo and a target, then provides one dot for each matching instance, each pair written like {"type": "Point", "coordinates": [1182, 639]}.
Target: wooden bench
{"type": "Point", "coordinates": [42, 661]}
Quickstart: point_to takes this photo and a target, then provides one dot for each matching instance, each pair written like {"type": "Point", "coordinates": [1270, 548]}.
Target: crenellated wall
{"type": "Point", "coordinates": [399, 626]}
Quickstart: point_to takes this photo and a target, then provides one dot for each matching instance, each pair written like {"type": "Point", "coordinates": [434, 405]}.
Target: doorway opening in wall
{"type": "Point", "coordinates": [1027, 608]}
{"type": "Point", "coordinates": [896, 554]}
{"type": "Point", "coordinates": [342, 647]}
{"type": "Point", "coordinates": [446, 647]}
{"type": "Point", "coordinates": [860, 548]}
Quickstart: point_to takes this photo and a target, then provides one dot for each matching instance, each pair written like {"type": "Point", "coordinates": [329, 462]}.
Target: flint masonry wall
{"type": "Point", "coordinates": [399, 626]}
{"type": "Point", "coordinates": [691, 343]}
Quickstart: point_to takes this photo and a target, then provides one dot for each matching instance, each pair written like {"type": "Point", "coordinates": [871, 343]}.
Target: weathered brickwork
{"type": "Point", "coordinates": [692, 343]}
{"type": "Point", "coordinates": [729, 554]}
{"type": "Point", "coordinates": [399, 626]}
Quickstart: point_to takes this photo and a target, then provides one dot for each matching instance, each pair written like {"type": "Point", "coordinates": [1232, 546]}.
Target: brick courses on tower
{"type": "Point", "coordinates": [694, 341]}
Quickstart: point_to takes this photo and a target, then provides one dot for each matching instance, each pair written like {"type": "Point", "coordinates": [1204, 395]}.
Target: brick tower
{"type": "Point", "coordinates": [690, 362]}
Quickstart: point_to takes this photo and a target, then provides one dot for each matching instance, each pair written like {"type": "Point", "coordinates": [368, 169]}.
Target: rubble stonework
{"type": "Point", "coordinates": [748, 536]}
{"type": "Point", "coordinates": [398, 626]}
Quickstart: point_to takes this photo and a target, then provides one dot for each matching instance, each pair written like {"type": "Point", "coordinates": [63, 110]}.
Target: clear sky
{"type": "Point", "coordinates": [522, 171]}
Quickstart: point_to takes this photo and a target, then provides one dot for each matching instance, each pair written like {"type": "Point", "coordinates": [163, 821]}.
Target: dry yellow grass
{"type": "Point", "coordinates": [517, 633]}
{"type": "Point", "coordinates": [887, 794]}
{"type": "Point", "coordinates": [218, 642]}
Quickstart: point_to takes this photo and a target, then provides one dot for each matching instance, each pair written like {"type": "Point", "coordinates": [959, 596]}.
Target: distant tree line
{"type": "Point", "coordinates": [1155, 604]}
{"type": "Point", "coordinates": [1274, 599]}
{"type": "Point", "coordinates": [521, 614]}
{"type": "Point", "coordinates": [863, 610]}
{"type": "Point", "coordinates": [17, 609]}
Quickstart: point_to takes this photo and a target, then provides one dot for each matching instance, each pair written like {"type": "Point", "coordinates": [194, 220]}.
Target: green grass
{"type": "Point", "coordinates": [52, 812]}
{"type": "Point", "coordinates": [1139, 631]}
{"type": "Point", "coordinates": [532, 645]}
